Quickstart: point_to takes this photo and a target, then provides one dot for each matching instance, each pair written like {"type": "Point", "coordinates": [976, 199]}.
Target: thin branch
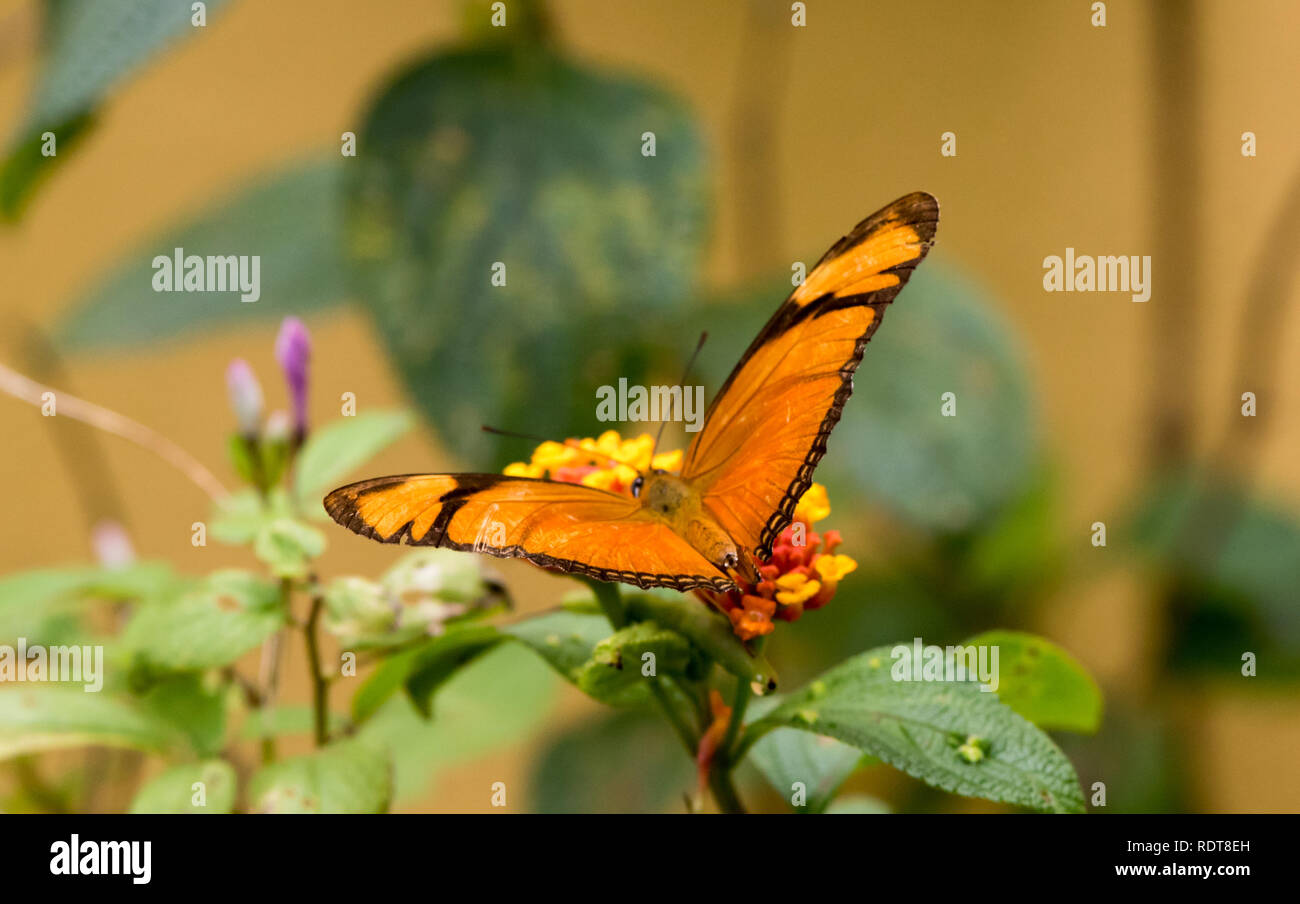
{"type": "Point", "coordinates": [28, 390]}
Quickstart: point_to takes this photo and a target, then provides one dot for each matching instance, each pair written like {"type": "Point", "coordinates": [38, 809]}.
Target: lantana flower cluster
{"type": "Point", "coordinates": [803, 572]}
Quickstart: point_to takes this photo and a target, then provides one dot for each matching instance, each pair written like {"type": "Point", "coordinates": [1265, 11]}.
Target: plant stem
{"type": "Point", "coordinates": [688, 739]}
{"type": "Point", "coordinates": [319, 686]}
{"type": "Point", "coordinates": [739, 704]}
{"type": "Point", "coordinates": [21, 387]}
{"type": "Point", "coordinates": [724, 792]}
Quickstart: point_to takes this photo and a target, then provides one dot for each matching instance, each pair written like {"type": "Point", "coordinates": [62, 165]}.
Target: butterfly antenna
{"type": "Point", "coordinates": [571, 443]}
{"type": "Point", "coordinates": [682, 383]}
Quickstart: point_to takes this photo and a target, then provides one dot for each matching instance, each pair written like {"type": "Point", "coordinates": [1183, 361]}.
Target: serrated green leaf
{"type": "Point", "coordinates": [209, 626]}
{"type": "Point", "coordinates": [921, 727]}
{"type": "Point", "coordinates": [1043, 682]}
{"type": "Point", "coordinates": [351, 776]}
{"type": "Point", "coordinates": [337, 449]}
{"type": "Point", "coordinates": [290, 220]}
{"type": "Point", "coordinates": [50, 718]}
{"type": "Point", "coordinates": [174, 791]}
{"type": "Point", "coordinates": [789, 759]}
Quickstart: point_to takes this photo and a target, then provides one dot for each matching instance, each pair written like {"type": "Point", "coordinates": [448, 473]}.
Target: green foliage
{"type": "Point", "coordinates": [352, 776]}
{"type": "Point", "coordinates": [336, 450]}
{"type": "Point", "coordinates": [1042, 682]}
{"type": "Point", "coordinates": [173, 791]}
{"type": "Point", "coordinates": [195, 707]}
{"type": "Point", "coordinates": [290, 220]}
{"type": "Point", "coordinates": [821, 764]}
{"type": "Point", "coordinates": [512, 154]}
{"type": "Point", "coordinates": [1234, 563]}
{"type": "Point", "coordinates": [36, 718]}
{"type": "Point", "coordinates": [618, 762]}
{"type": "Point", "coordinates": [617, 663]}
{"type": "Point", "coordinates": [210, 625]}
{"type": "Point", "coordinates": [496, 700]}
{"type": "Point", "coordinates": [948, 734]}
{"type": "Point", "coordinates": [88, 48]}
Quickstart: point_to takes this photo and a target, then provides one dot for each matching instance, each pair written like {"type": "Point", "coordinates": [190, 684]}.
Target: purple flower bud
{"type": "Point", "coordinates": [293, 351]}
{"type": "Point", "coordinates": [245, 396]}
{"type": "Point", "coordinates": [279, 429]}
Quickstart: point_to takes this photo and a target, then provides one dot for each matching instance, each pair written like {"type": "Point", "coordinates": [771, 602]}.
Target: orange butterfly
{"type": "Point", "coordinates": [742, 476]}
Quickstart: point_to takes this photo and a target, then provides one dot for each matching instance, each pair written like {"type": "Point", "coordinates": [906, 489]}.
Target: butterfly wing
{"type": "Point", "coordinates": [569, 527]}
{"type": "Point", "coordinates": [767, 428]}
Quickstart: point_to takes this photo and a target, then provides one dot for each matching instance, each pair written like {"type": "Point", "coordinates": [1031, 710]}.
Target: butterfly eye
{"type": "Point", "coordinates": [636, 486]}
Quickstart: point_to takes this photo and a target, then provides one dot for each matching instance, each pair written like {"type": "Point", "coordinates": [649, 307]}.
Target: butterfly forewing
{"type": "Point", "coordinates": [767, 428]}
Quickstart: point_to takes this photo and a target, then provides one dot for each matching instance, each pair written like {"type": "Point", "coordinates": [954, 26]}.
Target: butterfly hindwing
{"type": "Point", "coordinates": [568, 527]}
{"type": "Point", "coordinates": [767, 428]}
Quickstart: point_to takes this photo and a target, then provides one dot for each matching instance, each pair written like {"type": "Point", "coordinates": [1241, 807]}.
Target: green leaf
{"type": "Point", "coordinates": [858, 805]}
{"type": "Point", "coordinates": [707, 629]}
{"type": "Point", "coordinates": [947, 734]}
{"type": "Point", "coordinates": [1233, 561]}
{"type": "Point", "coordinates": [423, 669]}
{"type": "Point", "coordinates": [211, 625]}
{"type": "Point", "coordinates": [564, 639]}
{"type": "Point", "coordinates": [337, 449]}
{"type": "Point", "coordinates": [1043, 682]}
{"type": "Point", "coordinates": [51, 718]}
{"type": "Point", "coordinates": [290, 221]}
{"type": "Point", "coordinates": [351, 776]}
{"type": "Point", "coordinates": [512, 155]}
{"type": "Point", "coordinates": [173, 791]}
{"type": "Point", "coordinates": [893, 444]}
{"type": "Point", "coordinates": [88, 48]}
{"type": "Point", "coordinates": [624, 761]}
{"type": "Point", "coordinates": [44, 605]}
{"type": "Point", "coordinates": [818, 763]}
{"type": "Point", "coordinates": [287, 547]}
{"type": "Point", "coordinates": [500, 698]}
{"type": "Point", "coordinates": [188, 704]}
{"type": "Point", "coordinates": [613, 674]}
{"type": "Point", "coordinates": [290, 719]}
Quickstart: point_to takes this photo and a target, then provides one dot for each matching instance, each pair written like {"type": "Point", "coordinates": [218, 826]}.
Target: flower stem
{"type": "Point", "coordinates": [319, 686]}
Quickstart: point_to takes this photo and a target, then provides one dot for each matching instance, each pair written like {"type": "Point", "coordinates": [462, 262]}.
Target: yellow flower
{"type": "Point", "coordinates": [833, 568]}
{"type": "Point", "coordinates": [795, 588]}
{"type": "Point", "coordinates": [814, 505]}
{"type": "Point", "coordinates": [524, 469]}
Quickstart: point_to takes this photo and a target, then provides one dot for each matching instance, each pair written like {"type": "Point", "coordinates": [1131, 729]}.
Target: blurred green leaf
{"type": "Point", "coordinates": [821, 764]}
{"type": "Point", "coordinates": [287, 547]}
{"type": "Point", "coordinates": [858, 805]}
{"type": "Point", "coordinates": [893, 443]}
{"type": "Point", "coordinates": [1234, 565]}
{"type": "Point", "coordinates": [283, 720]}
{"type": "Point", "coordinates": [510, 154]}
{"type": "Point", "coordinates": [173, 791]}
{"type": "Point", "coordinates": [51, 718]}
{"type": "Point", "coordinates": [423, 669]}
{"type": "Point", "coordinates": [947, 734]}
{"type": "Point", "coordinates": [624, 761]}
{"type": "Point", "coordinates": [88, 47]}
{"type": "Point", "coordinates": [44, 605]}
{"type": "Point", "coordinates": [334, 451]}
{"type": "Point", "coordinates": [498, 699]}
{"type": "Point", "coordinates": [351, 776]}
{"type": "Point", "coordinates": [211, 625]}
{"type": "Point", "coordinates": [196, 710]}
{"type": "Point", "coordinates": [290, 221]}
{"type": "Point", "coordinates": [1042, 682]}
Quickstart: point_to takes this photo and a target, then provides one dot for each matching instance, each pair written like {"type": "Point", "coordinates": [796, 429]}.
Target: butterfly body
{"type": "Point", "coordinates": [764, 434]}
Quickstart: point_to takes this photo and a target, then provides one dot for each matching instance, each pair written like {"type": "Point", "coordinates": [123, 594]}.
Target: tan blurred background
{"type": "Point", "coordinates": [1055, 149]}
